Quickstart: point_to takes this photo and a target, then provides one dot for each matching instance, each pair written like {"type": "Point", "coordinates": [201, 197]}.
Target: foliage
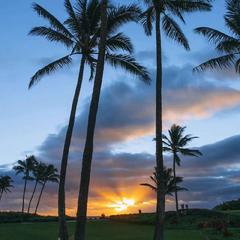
{"type": "Point", "coordinates": [227, 45]}
{"type": "Point", "coordinates": [80, 34]}
{"type": "Point", "coordinates": [192, 220]}
{"type": "Point", "coordinates": [5, 184]}
{"type": "Point", "coordinates": [229, 205]}
{"type": "Point", "coordinates": [171, 183]}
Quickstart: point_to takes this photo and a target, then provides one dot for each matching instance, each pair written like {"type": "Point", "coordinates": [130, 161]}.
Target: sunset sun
{"type": "Point", "coordinates": [123, 204]}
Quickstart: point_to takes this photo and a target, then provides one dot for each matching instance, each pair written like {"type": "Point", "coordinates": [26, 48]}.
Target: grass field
{"type": "Point", "coordinates": [103, 231]}
{"type": "Point", "coordinates": [232, 212]}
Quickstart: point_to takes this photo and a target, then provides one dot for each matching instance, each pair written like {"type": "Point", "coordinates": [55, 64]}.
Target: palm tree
{"type": "Point", "coordinates": [170, 182]}
{"type": "Point", "coordinates": [110, 22]}
{"type": "Point", "coordinates": [228, 45]}
{"type": "Point", "coordinates": [5, 185]}
{"type": "Point", "coordinates": [25, 167]}
{"type": "Point", "coordinates": [176, 144]}
{"type": "Point", "coordinates": [49, 175]}
{"type": "Point", "coordinates": [38, 173]}
{"type": "Point", "coordinates": [162, 12]}
{"type": "Point", "coordinates": [80, 34]}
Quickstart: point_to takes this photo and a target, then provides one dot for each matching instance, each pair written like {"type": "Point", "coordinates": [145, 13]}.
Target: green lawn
{"type": "Point", "coordinates": [232, 212]}
{"type": "Point", "coordinates": [95, 231]}
{"type": "Point", "coordinates": [104, 231]}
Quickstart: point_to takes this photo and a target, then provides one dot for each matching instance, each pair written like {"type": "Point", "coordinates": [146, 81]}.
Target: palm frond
{"type": "Point", "coordinates": [51, 35]}
{"type": "Point", "coordinates": [213, 35]}
{"type": "Point", "coordinates": [149, 185]}
{"type": "Point", "coordinates": [221, 62]}
{"type": "Point", "coordinates": [229, 46]}
{"type": "Point", "coordinates": [122, 15]}
{"type": "Point", "coordinates": [93, 13]}
{"type": "Point", "coordinates": [173, 31]}
{"type": "Point", "coordinates": [129, 64]}
{"type": "Point", "coordinates": [232, 17]}
{"type": "Point", "coordinates": [147, 19]}
{"type": "Point", "coordinates": [190, 152]}
{"type": "Point", "coordinates": [52, 67]}
{"type": "Point", "coordinates": [119, 42]}
{"type": "Point", "coordinates": [237, 66]}
{"type": "Point", "coordinates": [192, 5]}
{"type": "Point", "coordinates": [92, 62]}
{"type": "Point", "coordinates": [72, 22]}
{"type": "Point", "coordinates": [54, 22]}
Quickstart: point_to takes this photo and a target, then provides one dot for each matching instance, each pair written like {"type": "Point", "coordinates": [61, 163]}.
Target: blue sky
{"type": "Point", "coordinates": [33, 121]}
{"type": "Point", "coordinates": [29, 116]}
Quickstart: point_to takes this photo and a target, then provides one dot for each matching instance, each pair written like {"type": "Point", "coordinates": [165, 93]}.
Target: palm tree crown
{"type": "Point", "coordinates": [177, 141]}
{"type": "Point", "coordinates": [167, 10]}
{"type": "Point", "coordinates": [5, 185]}
{"type": "Point", "coordinates": [171, 183]}
{"type": "Point", "coordinates": [25, 167]}
{"type": "Point", "coordinates": [50, 174]}
{"type": "Point", "coordinates": [80, 34]}
{"type": "Point", "coordinates": [228, 45]}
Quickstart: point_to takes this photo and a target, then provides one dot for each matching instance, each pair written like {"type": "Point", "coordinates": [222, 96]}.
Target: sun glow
{"type": "Point", "coordinates": [122, 205]}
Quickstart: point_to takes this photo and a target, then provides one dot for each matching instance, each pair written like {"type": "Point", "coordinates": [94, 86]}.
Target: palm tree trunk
{"type": "Point", "coordinates": [1, 195]}
{"type": "Point", "coordinates": [33, 193]}
{"type": "Point", "coordinates": [159, 228]}
{"type": "Point", "coordinates": [24, 191]}
{"type": "Point", "coordinates": [63, 232]}
{"type": "Point", "coordinates": [174, 175]}
{"type": "Point", "coordinates": [88, 149]}
{"type": "Point", "coordinates": [39, 198]}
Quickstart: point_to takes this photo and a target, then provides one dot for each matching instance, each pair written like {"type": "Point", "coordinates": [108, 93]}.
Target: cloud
{"type": "Point", "coordinates": [126, 112]}
{"type": "Point", "coordinates": [210, 179]}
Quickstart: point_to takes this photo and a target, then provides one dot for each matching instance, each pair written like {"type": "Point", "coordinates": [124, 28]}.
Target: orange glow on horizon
{"type": "Point", "coordinates": [122, 205]}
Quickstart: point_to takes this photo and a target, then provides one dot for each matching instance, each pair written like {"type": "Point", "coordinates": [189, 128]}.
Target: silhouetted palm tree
{"type": "Point", "coordinates": [170, 182]}
{"type": "Point", "coordinates": [228, 45]}
{"type": "Point", "coordinates": [80, 34]}
{"type": "Point", "coordinates": [49, 175]}
{"type": "Point", "coordinates": [25, 167]}
{"type": "Point", "coordinates": [162, 13]}
{"type": "Point", "coordinates": [110, 22]}
{"type": "Point", "coordinates": [38, 174]}
{"type": "Point", "coordinates": [5, 185]}
{"type": "Point", "coordinates": [176, 144]}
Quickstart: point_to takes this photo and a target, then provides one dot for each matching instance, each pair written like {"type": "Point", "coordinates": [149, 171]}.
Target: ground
{"type": "Point", "coordinates": [104, 230]}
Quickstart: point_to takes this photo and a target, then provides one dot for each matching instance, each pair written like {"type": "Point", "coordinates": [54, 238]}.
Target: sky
{"type": "Point", "coordinates": [34, 121]}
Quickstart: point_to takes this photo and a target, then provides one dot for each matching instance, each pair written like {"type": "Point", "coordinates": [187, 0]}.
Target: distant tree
{"type": "Point", "coordinates": [25, 167]}
{"type": "Point", "coordinates": [176, 144]}
{"type": "Point", "coordinates": [171, 184]}
{"type": "Point", "coordinates": [38, 175]}
{"type": "Point", "coordinates": [5, 185]}
{"type": "Point", "coordinates": [228, 45]}
{"type": "Point", "coordinates": [49, 175]}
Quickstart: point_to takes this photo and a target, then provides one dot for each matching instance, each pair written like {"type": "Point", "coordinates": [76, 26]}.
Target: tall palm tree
{"type": "Point", "coordinates": [227, 44]}
{"type": "Point", "coordinates": [25, 167]}
{"type": "Point", "coordinates": [5, 185]}
{"type": "Point", "coordinates": [49, 175]}
{"type": "Point", "coordinates": [170, 182]}
{"type": "Point", "coordinates": [110, 22]}
{"type": "Point", "coordinates": [176, 143]}
{"type": "Point", "coordinates": [38, 174]}
{"type": "Point", "coordinates": [80, 33]}
{"type": "Point", "coordinates": [162, 12]}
